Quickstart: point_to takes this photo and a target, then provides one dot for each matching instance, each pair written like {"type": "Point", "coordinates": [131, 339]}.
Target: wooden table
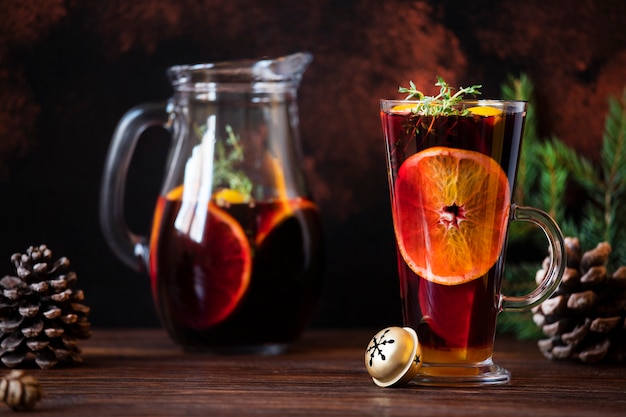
{"type": "Point", "coordinates": [141, 373]}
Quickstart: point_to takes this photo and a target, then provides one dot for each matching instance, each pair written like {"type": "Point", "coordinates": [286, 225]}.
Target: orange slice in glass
{"type": "Point", "coordinates": [403, 108]}
{"type": "Point", "coordinates": [450, 213]}
{"type": "Point", "coordinates": [485, 111]}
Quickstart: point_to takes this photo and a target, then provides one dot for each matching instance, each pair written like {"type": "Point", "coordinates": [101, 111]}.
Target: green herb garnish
{"type": "Point", "coordinates": [228, 155]}
{"type": "Point", "coordinates": [442, 104]}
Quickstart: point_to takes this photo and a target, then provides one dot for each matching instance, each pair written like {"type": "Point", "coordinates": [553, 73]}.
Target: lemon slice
{"type": "Point", "coordinates": [403, 108]}
{"type": "Point", "coordinates": [485, 111]}
{"type": "Point", "coordinates": [228, 195]}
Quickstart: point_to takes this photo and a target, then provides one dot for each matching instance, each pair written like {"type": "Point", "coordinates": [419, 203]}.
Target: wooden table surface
{"type": "Point", "coordinates": [141, 373]}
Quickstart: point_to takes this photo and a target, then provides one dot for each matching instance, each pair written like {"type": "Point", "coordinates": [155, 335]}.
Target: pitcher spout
{"type": "Point", "coordinates": [286, 68]}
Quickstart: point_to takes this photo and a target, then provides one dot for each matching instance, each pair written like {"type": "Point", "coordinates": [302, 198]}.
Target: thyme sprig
{"type": "Point", "coordinates": [227, 158]}
{"type": "Point", "coordinates": [443, 103]}
{"type": "Point", "coordinates": [227, 161]}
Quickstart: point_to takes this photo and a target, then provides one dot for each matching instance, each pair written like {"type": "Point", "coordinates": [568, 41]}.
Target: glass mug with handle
{"type": "Point", "coordinates": [235, 251]}
{"type": "Point", "coordinates": [451, 180]}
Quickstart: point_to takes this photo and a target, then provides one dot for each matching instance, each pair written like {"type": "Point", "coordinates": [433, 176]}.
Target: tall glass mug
{"type": "Point", "coordinates": [451, 180]}
{"type": "Point", "coordinates": [235, 251]}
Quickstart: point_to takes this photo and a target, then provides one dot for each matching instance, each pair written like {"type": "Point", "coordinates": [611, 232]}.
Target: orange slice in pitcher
{"type": "Point", "coordinates": [225, 196]}
{"type": "Point", "coordinates": [228, 265]}
{"type": "Point", "coordinates": [450, 213]}
{"type": "Point", "coordinates": [222, 263]}
{"type": "Point", "coordinates": [283, 206]}
{"type": "Point", "coordinates": [282, 211]}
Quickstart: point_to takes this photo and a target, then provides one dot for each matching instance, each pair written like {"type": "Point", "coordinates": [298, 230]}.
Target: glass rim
{"type": "Point", "coordinates": [513, 106]}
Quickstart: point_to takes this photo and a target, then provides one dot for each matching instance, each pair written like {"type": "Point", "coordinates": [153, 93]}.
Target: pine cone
{"type": "Point", "coordinates": [41, 314]}
{"type": "Point", "coordinates": [585, 319]}
{"type": "Point", "coordinates": [20, 391]}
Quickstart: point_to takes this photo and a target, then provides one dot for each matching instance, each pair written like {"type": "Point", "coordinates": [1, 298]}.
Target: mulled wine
{"type": "Point", "coordinates": [451, 303]}
{"type": "Point", "coordinates": [248, 281]}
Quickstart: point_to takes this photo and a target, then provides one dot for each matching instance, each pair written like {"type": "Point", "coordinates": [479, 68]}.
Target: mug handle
{"type": "Point", "coordinates": [556, 268]}
{"type": "Point", "coordinates": [129, 247]}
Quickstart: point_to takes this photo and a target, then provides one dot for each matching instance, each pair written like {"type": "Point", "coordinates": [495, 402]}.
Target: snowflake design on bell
{"type": "Point", "coordinates": [379, 342]}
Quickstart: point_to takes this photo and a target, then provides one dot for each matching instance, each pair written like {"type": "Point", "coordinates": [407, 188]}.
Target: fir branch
{"type": "Point", "coordinates": [517, 283]}
{"type": "Point", "coordinates": [581, 168]}
{"type": "Point", "coordinates": [519, 324]}
{"type": "Point", "coordinates": [547, 169]}
{"type": "Point", "coordinates": [613, 155]}
{"type": "Point", "coordinates": [527, 172]}
{"type": "Point", "coordinates": [604, 215]}
{"type": "Point", "coordinates": [591, 227]}
{"type": "Point", "coordinates": [613, 158]}
{"type": "Point", "coordinates": [570, 227]}
{"type": "Point", "coordinates": [553, 181]}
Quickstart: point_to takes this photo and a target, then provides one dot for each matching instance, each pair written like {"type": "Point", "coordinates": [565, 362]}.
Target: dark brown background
{"type": "Point", "coordinates": [69, 69]}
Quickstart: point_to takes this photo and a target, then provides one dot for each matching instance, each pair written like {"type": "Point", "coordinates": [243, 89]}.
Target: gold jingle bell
{"type": "Point", "coordinates": [393, 356]}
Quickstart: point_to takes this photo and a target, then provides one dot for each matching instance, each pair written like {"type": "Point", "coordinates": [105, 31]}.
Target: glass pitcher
{"type": "Point", "coordinates": [235, 251]}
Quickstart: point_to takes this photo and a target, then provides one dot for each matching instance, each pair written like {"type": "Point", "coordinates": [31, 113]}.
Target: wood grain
{"type": "Point", "coordinates": [141, 373]}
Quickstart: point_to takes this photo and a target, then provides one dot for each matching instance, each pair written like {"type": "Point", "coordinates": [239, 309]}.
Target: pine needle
{"type": "Point", "coordinates": [548, 169]}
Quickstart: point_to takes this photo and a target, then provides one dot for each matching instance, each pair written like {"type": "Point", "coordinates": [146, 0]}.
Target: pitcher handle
{"type": "Point", "coordinates": [556, 268]}
{"type": "Point", "coordinates": [129, 247]}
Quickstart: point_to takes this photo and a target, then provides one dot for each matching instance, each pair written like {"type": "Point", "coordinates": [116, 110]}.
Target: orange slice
{"type": "Point", "coordinates": [222, 264]}
{"type": "Point", "coordinates": [450, 213]}
{"type": "Point", "coordinates": [227, 196]}
{"type": "Point", "coordinates": [485, 111]}
{"type": "Point", "coordinates": [282, 210]}
{"type": "Point", "coordinates": [283, 207]}
{"type": "Point", "coordinates": [403, 108]}
{"type": "Point", "coordinates": [228, 264]}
